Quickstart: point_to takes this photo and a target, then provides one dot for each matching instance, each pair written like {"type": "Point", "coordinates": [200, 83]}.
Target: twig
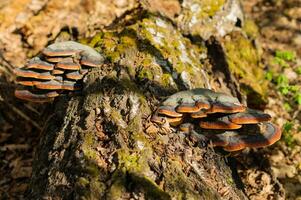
{"type": "Point", "coordinates": [24, 116]}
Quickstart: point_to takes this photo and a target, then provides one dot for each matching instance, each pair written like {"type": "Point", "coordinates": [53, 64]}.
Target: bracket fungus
{"type": "Point", "coordinates": [221, 119]}
{"type": "Point", "coordinates": [60, 67]}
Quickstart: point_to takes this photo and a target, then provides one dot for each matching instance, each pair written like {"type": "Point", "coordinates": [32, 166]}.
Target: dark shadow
{"type": "Point", "coordinates": [220, 66]}
{"type": "Point", "coordinates": [235, 176]}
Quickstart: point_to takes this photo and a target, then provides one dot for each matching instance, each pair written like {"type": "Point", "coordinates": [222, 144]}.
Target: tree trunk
{"type": "Point", "coordinates": [101, 144]}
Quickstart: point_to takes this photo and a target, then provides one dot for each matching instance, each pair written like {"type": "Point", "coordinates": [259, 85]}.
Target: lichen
{"type": "Point", "coordinates": [151, 48]}
{"type": "Point", "coordinates": [202, 9]}
{"type": "Point", "coordinates": [206, 18]}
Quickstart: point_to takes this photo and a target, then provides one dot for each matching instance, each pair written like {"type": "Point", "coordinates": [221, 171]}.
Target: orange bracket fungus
{"type": "Point", "coordinates": [60, 67]}
{"type": "Point", "coordinates": [220, 118]}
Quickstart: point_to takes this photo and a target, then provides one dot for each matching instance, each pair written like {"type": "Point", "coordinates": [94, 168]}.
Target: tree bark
{"type": "Point", "coordinates": [100, 144]}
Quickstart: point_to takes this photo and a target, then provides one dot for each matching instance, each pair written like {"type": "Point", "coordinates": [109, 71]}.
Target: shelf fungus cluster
{"type": "Point", "coordinates": [59, 68]}
{"type": "Point", "coordinates": [220, 118]}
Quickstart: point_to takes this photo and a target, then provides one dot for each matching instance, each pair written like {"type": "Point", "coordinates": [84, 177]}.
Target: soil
{"type": "Point", "coordinates": [279, 24]}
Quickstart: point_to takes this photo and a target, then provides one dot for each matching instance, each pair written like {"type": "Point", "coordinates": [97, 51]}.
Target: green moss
{"type": "Point", "coordinates": [118, 185]}
{"type": "Point", "coordinates": [250, 28]}
{"type": "Point", "coordinates": [287, 135]}
{"type": "Point", "coordinates": [116, 117]}
{"type": "Point", "coordinates": [90, 185]}
{"type": "Point", "coordinates": [255, 99]}
{"type": "Point", "coordinates": [166, 79]}
{"type": "Point", "coordinates": [135, 124]}
{"type": "Point", "coordinates": [92, 170]}
{"type": "Point", "coordinates": [126, 42]}
{"type": "Point", "coordinates": [96, 40]}
{"type": "Point", "coordinates": [203, 9]}
{"type": "Point", "coordinates": [151, 189]}
{"type": "Point", "coordinates": [177, 183]}
{"type": "Point", "coordinates": [144, 107]}
{"type": "Point", "coordinates": [145, 72]}
{"type": "Point", "coordinates": [244, 61]}
{"type": "Point", "coordinates": [97, 189]}
{"type": "Point", "coordinates": [133, 169]}
{"type": "Point", "coordinates": [147, 62]}
{"type": "Point", "coordinates": [125, 162]}
{"type": "Point", "coordinates": [89, 153]}
{"type": "Point", "coordinates": [174, 53]}
{"type": "Point", "coordinates": [131, 173]}
{"type": "Point", "coordinates": [129, 162]}
{"type": "Point", "coordinates": [230, 181]}
{"type": "Point", "coordinates": [83, 182]}
{"type": "Point", "coordinates": [107, 43]}
{"type": "Point", "coordinates": [135, 160]}
{"type": "Point", "coordinates": [210, 7]}
{"type": "Point", "coordinates": [150, 47]}
{"type": "Point", "coordinates": [139, 141]}
{"type": "Point", "coordinates": [64, 36]}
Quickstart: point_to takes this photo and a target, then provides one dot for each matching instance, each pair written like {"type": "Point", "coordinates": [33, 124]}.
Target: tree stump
{"type": "Point", "coordinates": [101, 144]}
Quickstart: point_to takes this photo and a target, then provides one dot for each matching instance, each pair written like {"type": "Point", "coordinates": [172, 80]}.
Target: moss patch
{"type": "Point", "coordinates": [131, 175]}
{"type": "Point", "coordinates": [177, 184]}
{"type": "Point", "coordinates": [151, 48]}
{"type": "Point", "coordinates": [250, 28]}
{"type": "Point", "coordinates": [90, 185]}
{"type": "Point", "coordinates": [245, 62]}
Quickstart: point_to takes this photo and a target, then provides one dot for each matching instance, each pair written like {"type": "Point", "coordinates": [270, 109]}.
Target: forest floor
{"type": "Point", "coordinates": [279, 24]}
{"type": "Point", "coordinates": [270, 173]}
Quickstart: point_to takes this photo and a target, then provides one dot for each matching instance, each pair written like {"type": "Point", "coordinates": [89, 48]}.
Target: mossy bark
{"type": "Point", "coordinates": [100, 144]}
